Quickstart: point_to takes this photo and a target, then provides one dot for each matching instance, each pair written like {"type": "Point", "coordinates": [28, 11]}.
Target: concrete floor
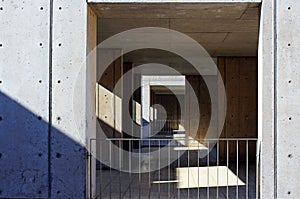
{"type": "Point", "coordinates": [164, 184]}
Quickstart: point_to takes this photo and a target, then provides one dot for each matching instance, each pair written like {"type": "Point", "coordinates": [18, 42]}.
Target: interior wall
{"type": "Point", "coordinates": [91, 99]}
{"type": "Point", "coordinates": [240, 79]}
{"type": "Point", "coordinates": [192, 124]}
{"type": "Point", "coordinates": [109, 103]}
{"type": "Point", "coordinates": [172, 106]}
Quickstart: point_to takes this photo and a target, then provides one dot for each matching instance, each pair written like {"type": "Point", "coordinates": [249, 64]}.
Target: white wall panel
{"type": "Point", "coordinates": [68, 157]}
{"type": "Point", "coordinates": [288, 98]}
{"type": "Point", "coordinates": [24, 98]}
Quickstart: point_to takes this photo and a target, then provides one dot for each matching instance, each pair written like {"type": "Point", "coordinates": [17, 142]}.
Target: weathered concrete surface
{"type": "Point", "coordinates": [69, 116]}
{"type": "Point", "coordinates": [24, 87]}
{"type": "Point", "coordinates": [224, 29]}
{"type": "Point", "coordinates": [174, 1]}
{"type": "Point", "coordinates": [288, 95]}
{"type": "Point", "coordinates": [266, 134]}
{"type": "Point", "coordinates": [24, 94]}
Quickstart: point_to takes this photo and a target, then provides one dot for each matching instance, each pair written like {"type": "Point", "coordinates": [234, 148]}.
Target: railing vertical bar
{"type": "Point", "coordinates": [237, 169]}
{"type": "Point", "coordinates": [169, 162]}
{"type": "Point", "coordinates": [91, 169]}
{"type": "Point", "coordinates": [100, 184]}
{"type": "Point", "coordinates": [159, 168]}
{"type": "Point", "coordinates": [130, 171]}
{"type": "Point", "coordinates": [198, 196]}
{"type": "Point", "coordinates": [207, 170]}
{"type": "Point", "coordinates": [149, 176]}
{"type": "Point", "coordinates": [227, 164]}
{"type": "Point", "coordinates": [217, 169]}
{"type": "Point", "coordinates": [120, 183]}
{"type": "Point", "coordinates": [257, 159]}
{"type": "Point", "coordinates": [188, 165]}
{"type": "Point", "coordinates": [247, 170]}
{"type": "Point", "coordinates": [178, 166]}
{"type": "Point", "coordinates": [110, 169]}
{"type": "Point", "coordinates": [140, 151]}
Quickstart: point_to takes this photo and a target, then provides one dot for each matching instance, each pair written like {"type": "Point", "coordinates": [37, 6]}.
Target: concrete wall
{"type": "Point", "coordinates": [278, 95]}
{"type": "Point", "coordinates": [266, 111]}
{"type": "Point", "coordinates": [42, 144]}
{"type": "Point", "coordinates": [42, 47]}
{"type": "Point", "coordinates": [24, 99]}
{"type": "Point", "coordinates": [287, 77]}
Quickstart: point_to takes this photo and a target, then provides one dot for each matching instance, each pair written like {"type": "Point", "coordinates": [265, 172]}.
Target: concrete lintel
{"type": "Point", "coordinates": [174, 1]}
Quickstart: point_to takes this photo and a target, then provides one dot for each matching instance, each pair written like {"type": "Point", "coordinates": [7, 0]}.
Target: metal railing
{"type": "Point", "coordinates": [211, 168]}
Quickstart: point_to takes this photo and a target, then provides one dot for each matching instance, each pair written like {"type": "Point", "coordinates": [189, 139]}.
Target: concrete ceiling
{"type": "Point", "coordinates": [222, 29]}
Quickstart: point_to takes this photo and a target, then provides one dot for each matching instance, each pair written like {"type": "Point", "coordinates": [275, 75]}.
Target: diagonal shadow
{"type": "Point", "coordinates": [36, 159]}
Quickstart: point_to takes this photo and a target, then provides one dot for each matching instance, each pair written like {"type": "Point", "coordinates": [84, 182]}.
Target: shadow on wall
{"type": "Point", "coordinates": [36, 162]}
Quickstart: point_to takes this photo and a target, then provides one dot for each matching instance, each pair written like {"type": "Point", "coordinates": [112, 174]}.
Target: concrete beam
{"type": "Point", "coordinates": [174, 1]}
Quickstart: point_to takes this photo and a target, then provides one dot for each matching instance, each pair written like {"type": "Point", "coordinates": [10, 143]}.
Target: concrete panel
{"type": "Point", "coordinates": [69, 117]}
{"type": "Point", "coordinates": [288, 95]}
{"type": "Point", "coordinates": [199, 37]}
{"type": "Point", "coordinates": [161, 11]}
{"type": "Point", "coordinates": [119, 25]}
{"type": "Point", "coordinates": [174, 1]}
{"type": "Point", "coordinates": [24, 94]}
{"type": "Point", "coordinates": [266, 135]}
{"type": "Point", "coordinates": [91, 100]}
{"type": "Point", "coordinates": [251, 14]}
{"type": "Point", "coordinates": [109, 108]}
{"type": "Point", "coordinates": [223, 29]}
{"type": "Point", "coordinates": [195, 25]}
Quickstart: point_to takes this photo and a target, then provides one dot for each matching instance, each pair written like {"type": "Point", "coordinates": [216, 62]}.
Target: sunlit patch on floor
{"type": "Point", "coordinates": [212, 176]}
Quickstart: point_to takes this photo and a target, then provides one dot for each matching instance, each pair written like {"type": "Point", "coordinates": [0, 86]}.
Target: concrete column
{"type": "Point", "coordinates": [266, 123]}
{"type": "Point", "coordinates": [145, 103]}
{"type": "Point", "coordinates": [287, 77]}
{"type": "Point", "coordinates": [70, 118]}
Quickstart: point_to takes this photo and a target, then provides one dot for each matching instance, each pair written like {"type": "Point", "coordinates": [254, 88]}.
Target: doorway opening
{"type": "Point", "coordinates": [162, 108]}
